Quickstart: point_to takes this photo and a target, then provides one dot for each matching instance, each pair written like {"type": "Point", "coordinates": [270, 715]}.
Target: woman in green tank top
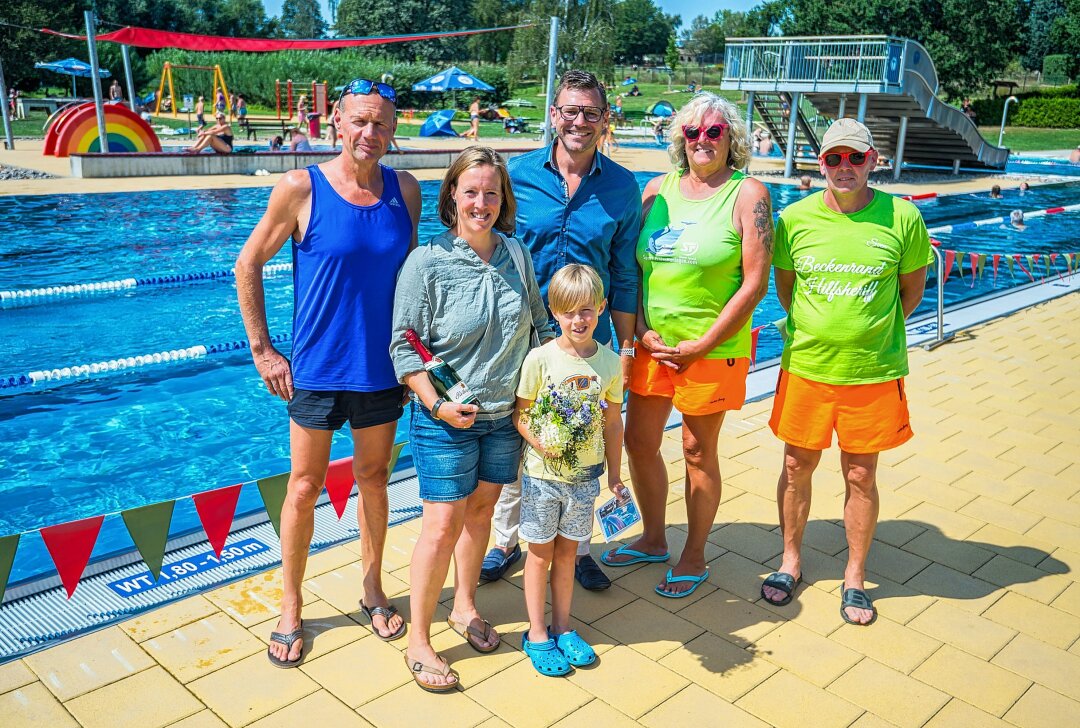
{"type": "Point", "coordinates": [705, 249]}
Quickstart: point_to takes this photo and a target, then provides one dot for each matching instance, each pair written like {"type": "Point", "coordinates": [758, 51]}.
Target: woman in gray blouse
{"type": "Point", "coordinates": [475, 309]}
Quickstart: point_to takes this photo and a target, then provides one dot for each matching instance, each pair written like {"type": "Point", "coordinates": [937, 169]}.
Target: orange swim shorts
{"type": "Point", "coordinates": [705, 387]}
{"type": "Point", "coordinates": [868, 418]}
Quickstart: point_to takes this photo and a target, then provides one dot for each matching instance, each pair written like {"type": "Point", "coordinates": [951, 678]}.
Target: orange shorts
{"type": "Point", "coordinates": [705, 387]}
{"type": "Point", "coordinates": [868, 418]}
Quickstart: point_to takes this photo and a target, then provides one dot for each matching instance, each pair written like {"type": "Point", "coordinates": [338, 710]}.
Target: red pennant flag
{"type": "Point", "coordinates": [754, 333]}
{"type": "Point", "coordinates": [997, 259]}
{"type": "Point", "coordinates": [974, 258]}
{"type": "Point", "coordinates": [1053, 264]}
{"type": "Point", "coordinates": [216, 510]}
{"type": "Point", "coordinates": [950, 257]}
{"type": "Point", "coordinates": [339, 484]}
{"type": "Point", "coordinates": [1017, 259]}
{"type": "Point", "coordinates": [70, 545]}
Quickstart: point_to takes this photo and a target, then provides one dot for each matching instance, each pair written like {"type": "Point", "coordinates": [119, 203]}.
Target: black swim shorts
{"type": "Point", "coordinates": [330, 410]}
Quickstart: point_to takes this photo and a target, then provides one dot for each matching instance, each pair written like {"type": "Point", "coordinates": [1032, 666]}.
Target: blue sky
{"type": "Point", "coordinates": [688, 9]}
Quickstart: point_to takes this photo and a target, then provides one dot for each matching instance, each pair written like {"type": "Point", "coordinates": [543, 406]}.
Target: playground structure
{"type": "Point", "coordinates": [74, 131]}
{"type": "Point", "coordinates": [892, 82]}
{"type": "Point", "coordinates": [167, 76]}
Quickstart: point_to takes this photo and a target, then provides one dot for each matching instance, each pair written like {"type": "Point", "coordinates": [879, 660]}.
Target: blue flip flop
{"type": "Point", "coordinates": [636, 557]}
{"type": "Point", "coordinates": [670, 578]}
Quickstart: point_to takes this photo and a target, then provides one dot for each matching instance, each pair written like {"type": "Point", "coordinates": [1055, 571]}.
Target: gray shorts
{"type": "Point", "coordinates": [550, 507]}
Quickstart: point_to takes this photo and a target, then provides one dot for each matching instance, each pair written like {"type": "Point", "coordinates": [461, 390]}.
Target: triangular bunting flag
{"type": "Point", "coordinates": [339, 484]}
{"type": "Point", "coordinates": [8, 545]}
{"type": "Point", "coordinates": [974, 267]}
{"type": "Point", "coordinates": [1031, 259]}
{"type": "Point", "coordinates": [149, 529]}
{"type": "Point", "coordinates": [754, 334]}
{"type": "Point", "coordinates": [1021, 266]}
{"type": "Point", "coordinates": [1011, 262]}
{"type": "Point", "coordinates": [273, 491]}
{"type": "Point", "coordinates": [950, 256]}
{"type": "Point", "coordinates": [70, 545]}
{"type": "Point", "coordinates": [1046, 263]}
{"type": "Point", "coordinates": [395, 454]}
{"type": "Point", "coordinates": [982, 265]}
{"type": "Point", "coordinates": [997, 259]}
{"type": "Point", "coordinates": [781, 326]}
{"type": "Point", "coordinates": [216, 510]}
{"type": "Point", "coordinates": [960, 255]}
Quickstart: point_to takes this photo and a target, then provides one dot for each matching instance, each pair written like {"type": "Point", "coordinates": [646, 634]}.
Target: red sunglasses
{"type": "Point", "coordinates": [714, 132]}
{"type": "Point", "coordinates": [835, 159]}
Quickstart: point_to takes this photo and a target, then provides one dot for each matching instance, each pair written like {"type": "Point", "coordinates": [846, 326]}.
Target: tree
{"type": "Point", "coordinates": [641, 29]}
{"type": "Point", "coordinates": [586, 38]}
{"type": "Point", "coordinates": [302, 19]}
{"type": "Point", "coordinates": [493, 47]}
{"type": "Point", "coordinates": [703, 38]}
{"type": "Point", "coordinates": [21, 48]}
{"type": "Point", "coordinates": [402, 17]}
{"type": "Point", "coordinates": [1065, 36]}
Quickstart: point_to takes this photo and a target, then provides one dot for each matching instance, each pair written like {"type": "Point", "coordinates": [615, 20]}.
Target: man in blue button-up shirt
{"type": "Point", "coordinates": [575, 205]}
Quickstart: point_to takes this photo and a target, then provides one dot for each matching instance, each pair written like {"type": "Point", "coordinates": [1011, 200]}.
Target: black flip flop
{"type": "Point", "coordinates": [858, 599]}
{"type": "Point", "coordinates": [785, 583]}
{"type": "Point", "coordinates": [386, 613]}
{"type": "Point", "coordinates": [288, 640]}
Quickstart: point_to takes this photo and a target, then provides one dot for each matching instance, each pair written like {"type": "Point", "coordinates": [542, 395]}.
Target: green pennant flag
{"type": "Point", "coordinates": [395, 454]}
{"type": "Point", "coordinates": [8, 545]}
{"type": "Point", "coordinates": [1069, 262]}
{"type": "Point", "coordinates": [1011, 262]}
{"type": "Point", "coordinates": [149, 529]}
{"type": "Point", "coordinates": [273, 491]}
{"type": "Point", "coordinates": [781, 326]}
{"type": "Point", "coordinates": [1031, 265]}
{"type": "Point", "coordinates": [981, 265]}
{"type": "Point", "coordinates": [961, 258]}
{"type": "Point", "coordinates": [1046, 260]}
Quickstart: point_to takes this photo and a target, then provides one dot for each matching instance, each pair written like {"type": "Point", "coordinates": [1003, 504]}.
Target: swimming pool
{"type": "Point", "coordinates": [90, 446]}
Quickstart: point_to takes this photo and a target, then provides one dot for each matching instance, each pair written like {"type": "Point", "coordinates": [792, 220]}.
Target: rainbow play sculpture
{"type": "Point", "coordinates": [75, 130]}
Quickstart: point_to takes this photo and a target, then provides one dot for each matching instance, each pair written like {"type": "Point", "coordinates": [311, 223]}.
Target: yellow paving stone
{"type": "Point", "coordinates": [959, 589]}
{"type": "Point", "coordinates": [931, 492]}
{"type": "Point", "coordinates": [202, 719]}
{"type": "Point", "coordinates": [1041, 707]}
{"type": "Point", "coordinates": [589, 606]}
{"type": "Point", "coordinates": [1046, 665]}
{"type": "Point", "coordinates": [325, 629]}
{"type": "Point", "coordinates": [621, 667]}
{"type": "Point", "coordinates": [982, 463]}
{"type": "Point", "coordinates": [33, 705]}
{"type": "Point", "coordinates": [960, 555]}
{"type": "Point", "coordinates": [805, 653]}
{"type": "Point", "coordinates": [1064, 562]}
{"type": "Point", "coordinates": [596, 713]}
{"type": "Point", "coordinates": [1011, 517]}
{"type": "Point", "coordinates": [643, 582]}
{"type": "Point", "coordinates": [951, 524]}
{"type": "Point", "coordinates": [869, 720]}
{"type": "Point", "coordinates": [1036, 444]}
{"type": "Point", "coordinates": [934, 466]}
{"type": "Point", "coordinates": [87, 663]}
{"type": "Point", "coordinates": [787, 701]}
{"type": "Point", "coordinates": [974, 681]}
{"type": "Point", "coordinates": [495, 722]}
{"type": "Point", "coordinates": [748, 540]}
{"type": "Point", "coordinates": [148, 699]}
{"type": "Point", "coordinates": [825, 536]}
{"type": "Point", "coordinates": [891, 644]}
{"type": "Point", "coordinates": [695, 706]}
{"type": "Point", "coordinates": [1018, 547]}
{"type": "Point", "coordinates": [318, 709]}
{"type": "Point", "coordinates": [895, 564]}
{"type": "Point", "coordinates": [1049, 505]}
{"type": "Point", "coordinates": [472, 666]}
{"type": "Point", "coordinates": [1050, 625]}
{"type": "Point", "coordinates": [201, 647]}
{"type": "Point", "coordinates": [15, 675]}
{"type": "Point", "coordinates": [750, 508]}
{"type": "Point", "coordinates": [648, 629]}
{"type": "Point", "coordinates": [359, 671]}
{"type": "Point", "coordinates": [1062, 535]}
{"type": "Point", "coordinates": [738, 574]}
{"type": "Point", "coordinates": [732, 618]}
{"type": "Point", "coordinates": [397, 552]}
{"type": "Point", "coordinates": [411, 706]}
{"type": "Point", "coordinates": [823, 571]}
{"type": "Point", "coordinates": [1061, 485]}
{"type": "Point", "coordinates": [1023, 579]}
{"type": "Point", "coordinates": [886, 692]}
{"type": "Point", "coordinates": [719, 666]}
{"type": "Point", "coordinates": [969, 632]}
{"type": "Point", "coordinates": [958, 713]}
{"type": "Point", "coordinates": [329, 559]}
{"type": "Point", "coordinates": [251, 689]}
{"type": "Point", "coordinates": [344, 587]}
{"type": "Point", "coordinates": [992, 487]}
{"type": "Point", "coordinates": [1050, 463]}
{"type": "Point", "coordinates": [526, 699]}
{"type": "Point", "coordinates": [252, 600]}
{"type": "Point", "coordinates": [896, 532]}
{"type": "Point", "coordinates": [165, 619]}
{"type": "Point", "coordinates": [816, 609]}
{"type": "Point", "coordinates": [1069, 601]}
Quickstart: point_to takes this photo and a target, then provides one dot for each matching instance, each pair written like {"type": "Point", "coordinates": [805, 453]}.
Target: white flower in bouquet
{"type": "Point", "coordinates": [566, 422]}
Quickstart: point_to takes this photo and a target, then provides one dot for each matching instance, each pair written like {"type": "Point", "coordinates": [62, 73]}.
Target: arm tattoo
{"type": "Point", "coordinates": [763, 223]}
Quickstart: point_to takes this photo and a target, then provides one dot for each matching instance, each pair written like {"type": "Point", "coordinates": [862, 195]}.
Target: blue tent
{"type": "Point", "coordinates": [629, 80]}
{"type": "Point", "coordinates": [72, 67]}
{"type": "Point", "coordinates": [452, 79]}
{"type": "Point", "coordinates": [661, 108]}
{"type": "Point", "coordinates": [438, 124]}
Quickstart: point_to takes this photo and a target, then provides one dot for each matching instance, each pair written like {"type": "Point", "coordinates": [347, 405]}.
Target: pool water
{"type": "Point", "coordinates": [92, 446]}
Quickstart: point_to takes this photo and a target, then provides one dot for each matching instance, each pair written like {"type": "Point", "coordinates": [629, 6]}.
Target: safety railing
{"type": "Point", "coordinates": [824, 60]}
{"type": "Point", "coordinates": [939, 336]}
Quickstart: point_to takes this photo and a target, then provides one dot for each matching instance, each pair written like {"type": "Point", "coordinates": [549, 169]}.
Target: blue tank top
{"type": "Point", "coordinates": [344, 273]}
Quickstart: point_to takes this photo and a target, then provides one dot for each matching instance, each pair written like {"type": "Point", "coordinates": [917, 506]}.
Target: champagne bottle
{"type": "Point", "coordinates": [446, 381]}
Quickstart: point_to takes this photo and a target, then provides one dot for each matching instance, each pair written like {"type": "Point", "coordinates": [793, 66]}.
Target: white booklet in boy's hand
{"type": "Point", "coordinates": [617, 514]}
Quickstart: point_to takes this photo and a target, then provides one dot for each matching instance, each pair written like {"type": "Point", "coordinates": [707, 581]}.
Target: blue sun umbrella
{"type": "Point", "coordinates": [452, 79]}
{"type": "Point", "coordinates": [72, 67]}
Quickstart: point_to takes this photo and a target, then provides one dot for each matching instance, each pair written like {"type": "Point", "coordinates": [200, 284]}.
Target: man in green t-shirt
{"type": "Point", "coordinates": [850, 267]}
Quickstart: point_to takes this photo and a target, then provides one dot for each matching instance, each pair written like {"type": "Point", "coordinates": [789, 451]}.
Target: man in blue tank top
{"type": "Point", "coordinates": [351, 223]}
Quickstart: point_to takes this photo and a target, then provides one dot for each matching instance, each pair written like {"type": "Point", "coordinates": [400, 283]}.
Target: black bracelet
{"type": "Point", "coordinates": [435, 407]}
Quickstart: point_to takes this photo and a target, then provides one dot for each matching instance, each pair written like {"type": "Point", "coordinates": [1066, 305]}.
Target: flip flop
{"type": "Point", "coordinates": [417, 667]}
{"type": "Point", "coordinates": [287, 639]}
{"type": "Point", "coordinates": [386, 613]}
{"type": "Point", "coordinates": [859, 599]}
{"type": "Point", "coordinates": [545, 657]}
{"type": "Point", "coordinates": [636, 557]}
{"type": "Point", "coordinates": [783, 582]}
{"type": "Point", "coordinates": [474, 635]}
{"type": "Point", "coordinates": [670, 578]}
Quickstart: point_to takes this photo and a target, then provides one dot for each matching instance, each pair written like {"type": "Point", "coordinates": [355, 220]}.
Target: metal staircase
{"type": "Point", "coordinates": [888, 83]}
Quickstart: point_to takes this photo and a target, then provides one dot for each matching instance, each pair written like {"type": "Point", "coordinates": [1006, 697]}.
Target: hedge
{"type": "Point", "coordinates": [254, 74]}
{"type": "Point", "coordinates": [1041, 106]}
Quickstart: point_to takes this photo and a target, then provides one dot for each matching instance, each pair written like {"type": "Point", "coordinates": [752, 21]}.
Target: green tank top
{"type": "Point", "coordinates": [691, 263]}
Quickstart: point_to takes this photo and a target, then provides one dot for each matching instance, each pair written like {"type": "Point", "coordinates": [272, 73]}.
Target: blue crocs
{"type": "Point", "coordinates": [545, 657]}
{"type": "Point", "coordinates": [577, 651]}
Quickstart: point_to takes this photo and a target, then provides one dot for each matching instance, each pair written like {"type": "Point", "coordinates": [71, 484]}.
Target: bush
{"type": "Point", "coordinates": [1048, 113]}
{"type": "Point", "coordinates": [989, 111]}
{"type": "Point", "coordinates": [1055, 69]}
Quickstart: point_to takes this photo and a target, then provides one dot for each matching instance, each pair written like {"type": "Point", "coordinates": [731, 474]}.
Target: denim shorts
{"type": "Point", "coordinates": [450, 462]}
{"type": "Point", "coordinates": [330, 410]}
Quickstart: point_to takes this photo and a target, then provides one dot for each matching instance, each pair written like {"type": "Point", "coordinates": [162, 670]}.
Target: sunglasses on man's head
{"type": "Point", "coordinates": [714, 132]}
{"type": "Point", "coordinates": [363, 87]}
{"type": "Point", "coordinates": [834, 159]}
{"type": "Point", "coordinates": [569, 112]}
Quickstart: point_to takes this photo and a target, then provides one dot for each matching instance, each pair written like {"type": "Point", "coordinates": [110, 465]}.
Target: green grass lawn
{"type": "Point", "coordinates": [1025, 139]}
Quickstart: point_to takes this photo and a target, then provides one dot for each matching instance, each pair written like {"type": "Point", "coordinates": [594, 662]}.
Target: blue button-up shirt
{"type": "Point", "coordinates": [598, 226]}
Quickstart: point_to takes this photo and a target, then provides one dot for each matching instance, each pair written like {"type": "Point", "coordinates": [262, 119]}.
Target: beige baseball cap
{"type": "Point", "coordinates": [847, 133]}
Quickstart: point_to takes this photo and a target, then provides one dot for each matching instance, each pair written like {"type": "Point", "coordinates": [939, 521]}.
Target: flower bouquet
{"type": "Point", "coordinates": [567, 423]}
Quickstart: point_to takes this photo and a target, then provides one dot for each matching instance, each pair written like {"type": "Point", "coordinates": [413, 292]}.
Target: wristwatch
{"type": "Point", "coordinates": [435, 407]}
{"type": "Point", "coordinates": [630, 352]}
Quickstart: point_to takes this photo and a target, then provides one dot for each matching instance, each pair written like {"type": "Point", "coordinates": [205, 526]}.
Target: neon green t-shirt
{"type": "Point", "coordinates": [691, 265]}
{"type": "Point", "coordinates": [846, 325]}
{"type": "Point", "coordinates": [600, 375]}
